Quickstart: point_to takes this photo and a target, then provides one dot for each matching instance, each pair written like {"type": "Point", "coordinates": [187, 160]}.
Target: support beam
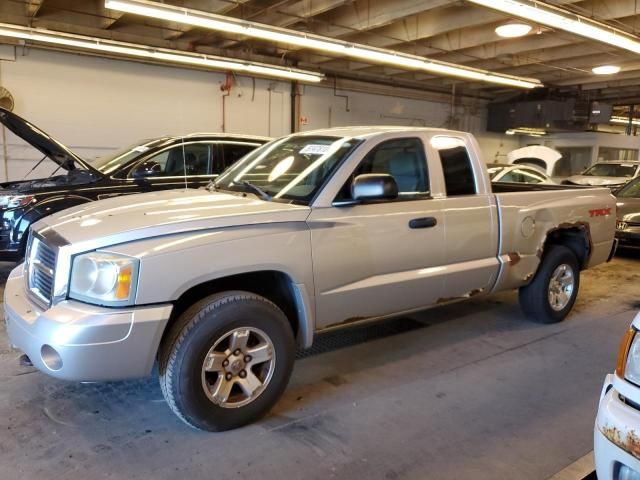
{"type": "Point", "coordinates": [288, 15]}
{"type": "Point", "coordinates": [299, 11]}
{"type": "Point", "coordinates": [220, 7]}
{"type": "Point", "coordinates": [425, 25]}
{"type": "Point", "coordinates": [364, 15]}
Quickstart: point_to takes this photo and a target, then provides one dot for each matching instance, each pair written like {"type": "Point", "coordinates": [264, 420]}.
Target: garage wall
{"type": "Point", "coordinates": [95, 105]}
{"type": "Point", "coordinates": [322, 107]}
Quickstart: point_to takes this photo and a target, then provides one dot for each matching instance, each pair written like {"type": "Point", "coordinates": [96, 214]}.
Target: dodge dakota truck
{"type": "Point", "coordinates": [311, 232]}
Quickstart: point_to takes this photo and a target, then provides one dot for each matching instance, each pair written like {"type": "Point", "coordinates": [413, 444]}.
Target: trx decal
{"type": "Point", "coordinates": [599, 212]}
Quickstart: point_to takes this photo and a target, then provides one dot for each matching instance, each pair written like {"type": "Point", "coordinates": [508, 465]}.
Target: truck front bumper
{"type": "Point", "coordinates": [616, 440]}
{"type": "Point", "coordinates": [76, 341]}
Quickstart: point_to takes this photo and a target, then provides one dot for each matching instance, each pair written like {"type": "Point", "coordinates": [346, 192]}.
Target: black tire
{"type": "Point", "coordinates": [534, 298]}
{"type": "Point", "coordinates": [195, 332]}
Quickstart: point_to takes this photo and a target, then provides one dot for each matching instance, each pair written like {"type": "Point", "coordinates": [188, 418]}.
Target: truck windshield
{"type": "Point", "coordinates": [611, 170]}
{"type": "Point", "coordinates": [631, 190]}
{"type": "Point", "coordinates": [293, 168]}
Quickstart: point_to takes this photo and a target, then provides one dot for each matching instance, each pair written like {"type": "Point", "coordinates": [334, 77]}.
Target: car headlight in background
{"type": "Point", "coordinates": [15, 201]}
{"type": "Point", "coordinates": [628, 364]}
{"type": "Point", "coordinates": [104, 278]}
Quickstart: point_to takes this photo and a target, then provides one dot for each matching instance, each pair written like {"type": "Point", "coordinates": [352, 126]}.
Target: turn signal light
{"type": "Point", "coordinates": [123, 287]}
{"type": "Point", "coordinates": [623, 351]}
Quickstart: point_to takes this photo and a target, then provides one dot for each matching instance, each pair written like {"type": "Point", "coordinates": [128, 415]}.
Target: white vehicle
{"type": "Point", "coordinates": [499, 172]}
{"type": "Point", "coordinates": [539, 156]}
{"type": "Point", "coordinates": [606, 174]}
{"type": "Point", "coordinates": [617, 428]}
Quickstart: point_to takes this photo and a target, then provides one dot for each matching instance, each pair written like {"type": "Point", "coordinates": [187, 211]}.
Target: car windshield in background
{"type": "Point", "coordinates": [631, 190]}
{"type": "Point", "coordinates": [611, 170]}
{"type": "Point", "coordinates": [293, 168]}
{"type": "Point", "coordinates": [494, 171]}
{"type": "Point", "coordinates": [112, 162]}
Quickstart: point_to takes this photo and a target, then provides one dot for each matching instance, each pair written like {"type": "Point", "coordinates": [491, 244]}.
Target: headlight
{"type": "Point", "coordinates": [15, 201]}
{"type": "Point", "coordinates": [628, 365]}
{"type": "Point", "coordinates": [104, 278]}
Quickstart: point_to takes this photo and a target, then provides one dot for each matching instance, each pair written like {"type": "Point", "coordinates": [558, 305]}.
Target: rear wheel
{"type": "Point", "coordinates": [226, 361]}
{"type": "Point", "coordinates": [551, 294]}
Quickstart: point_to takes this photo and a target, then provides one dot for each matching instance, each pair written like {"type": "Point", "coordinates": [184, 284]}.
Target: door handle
{"type": "Point", "coordinates": [426, 222]}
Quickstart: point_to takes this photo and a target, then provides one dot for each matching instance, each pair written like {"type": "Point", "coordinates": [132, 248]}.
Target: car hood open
{"type": "Point", "coordinates": [42, 141]}
{"type": "Point", "coordinates": [133, 217]}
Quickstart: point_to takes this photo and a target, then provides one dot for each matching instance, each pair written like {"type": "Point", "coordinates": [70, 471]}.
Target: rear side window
{"type": "Point", "coordinates": [456, 166]}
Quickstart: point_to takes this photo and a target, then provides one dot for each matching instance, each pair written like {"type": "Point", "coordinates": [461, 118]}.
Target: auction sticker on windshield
{"type": "Point", "coordinates": [315, 149]}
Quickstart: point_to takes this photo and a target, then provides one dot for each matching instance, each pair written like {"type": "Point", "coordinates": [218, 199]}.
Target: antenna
{"type": "Point", "coordinates": [184, 165]}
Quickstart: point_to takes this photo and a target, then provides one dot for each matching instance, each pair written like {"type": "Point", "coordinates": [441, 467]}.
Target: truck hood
{"type": "Point", "coordinates": [597, 181]}
{"type": "Point", "coordinates": [42, 141]}
{"type": "Point", "coordinates": [133, 217]}
{"type": "Point", "coordinates": [628, 209]}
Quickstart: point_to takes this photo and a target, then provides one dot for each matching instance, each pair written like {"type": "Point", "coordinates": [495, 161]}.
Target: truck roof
{"type": "Point", "coordinates": [371, 131]}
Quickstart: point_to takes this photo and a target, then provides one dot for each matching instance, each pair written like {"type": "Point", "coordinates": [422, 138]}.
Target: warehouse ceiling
{"type": "Point", "coordinates": [450, 31]}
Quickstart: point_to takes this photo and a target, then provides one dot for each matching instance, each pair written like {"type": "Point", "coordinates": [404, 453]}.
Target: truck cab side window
{"type": "Point", "coordinates": [402, 158]}
{"type": "Point", "coordinates": [456, 165]}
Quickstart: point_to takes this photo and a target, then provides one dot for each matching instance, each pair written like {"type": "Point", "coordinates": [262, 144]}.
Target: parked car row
{"type": "Point", "coordinates": [311, 232]}
{"type": "Point", "coordinates": [610, 174]}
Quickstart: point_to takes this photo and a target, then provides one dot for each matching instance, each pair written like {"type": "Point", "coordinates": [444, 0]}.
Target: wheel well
{"type": "Point", "coordinates": [270, 284]}
{"type": "Point", "coordinates": [576, 239]}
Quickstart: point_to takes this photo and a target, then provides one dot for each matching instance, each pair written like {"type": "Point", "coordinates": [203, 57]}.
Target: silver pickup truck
{"type": "Point", "coordinates": [311, 232]}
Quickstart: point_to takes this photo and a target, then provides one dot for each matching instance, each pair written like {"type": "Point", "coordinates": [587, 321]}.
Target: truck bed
{"type": "Point", "coordinates": [507, 187]}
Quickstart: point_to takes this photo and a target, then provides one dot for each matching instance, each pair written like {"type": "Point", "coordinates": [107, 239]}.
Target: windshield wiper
{"type": "Point", "coordinates": [255, 189]}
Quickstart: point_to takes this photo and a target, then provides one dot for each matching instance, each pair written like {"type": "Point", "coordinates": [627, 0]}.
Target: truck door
{"type": "Point", "coordinates": [470, 222]}
{"type": "Point", "coordinates": [378, 258]}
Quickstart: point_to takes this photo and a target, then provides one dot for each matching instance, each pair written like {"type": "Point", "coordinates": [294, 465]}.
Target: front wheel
{"type": "Point", "coordinates": [551, 294]}
{"type": "Point", "coordinates": [226, 361]}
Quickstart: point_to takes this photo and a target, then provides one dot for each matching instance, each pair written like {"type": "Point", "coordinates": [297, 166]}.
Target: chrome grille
{"type": "Point", "coordinates": [41, 265]}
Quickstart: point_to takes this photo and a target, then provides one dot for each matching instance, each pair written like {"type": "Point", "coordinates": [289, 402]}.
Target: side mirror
{"type": "Point", "coordinates": [374, 186]}
{"type": "Point", "coordinates": [147, 169]}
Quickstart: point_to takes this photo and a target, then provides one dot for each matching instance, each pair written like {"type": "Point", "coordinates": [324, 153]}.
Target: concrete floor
{"type": "Point", "coordinates": [476, 392]}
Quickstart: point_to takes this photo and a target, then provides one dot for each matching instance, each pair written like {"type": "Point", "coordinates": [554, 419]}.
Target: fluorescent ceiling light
{"type": "Point", "coordinates": [159, 54]}
{"type": "Point", "coordinates": [606, 70]}
{"type": "Point", "coordinates": [561, 19]}
{"type": "Point", "coordinates": [624, 121]}
{"type": "Point", "coordinates": [313, 42]}
{"type": "Point", "coordinates": [512, 30]}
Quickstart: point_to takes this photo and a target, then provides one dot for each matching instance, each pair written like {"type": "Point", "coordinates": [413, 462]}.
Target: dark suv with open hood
{"type": "Point", "coordinates": [158, 164]}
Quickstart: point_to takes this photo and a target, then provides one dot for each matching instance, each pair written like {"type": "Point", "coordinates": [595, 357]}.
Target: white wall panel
{"type": "Point", "coordinates": [95, 105]}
